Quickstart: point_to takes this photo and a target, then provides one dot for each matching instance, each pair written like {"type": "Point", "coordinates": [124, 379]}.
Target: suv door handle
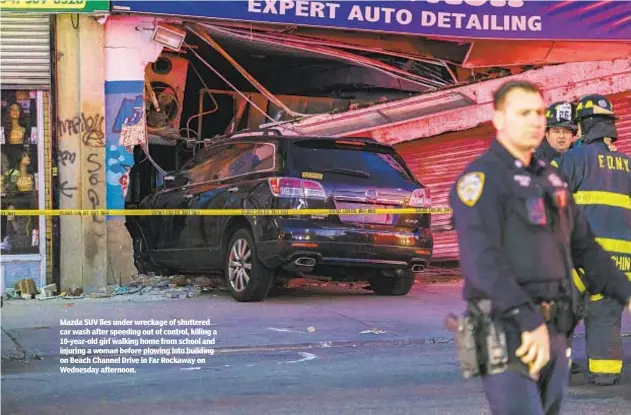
{"type": "Point", "coordinates": [188, 196]}
{"type": "Point", "coordinates": [233, 189]}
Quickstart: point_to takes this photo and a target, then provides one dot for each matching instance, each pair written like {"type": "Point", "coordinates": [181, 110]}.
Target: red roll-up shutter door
{"type": "Point", "coordinates": [436, 162]}
{"type": "Point", "coordinates": [622, 108]}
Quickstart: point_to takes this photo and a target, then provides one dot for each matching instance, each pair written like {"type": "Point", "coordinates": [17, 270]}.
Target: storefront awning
{"type": "Point", "coordinates": [465, 19]}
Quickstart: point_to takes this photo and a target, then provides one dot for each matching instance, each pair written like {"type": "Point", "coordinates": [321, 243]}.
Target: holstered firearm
{"type": "Point", "coordinates": [494, 340]}
{"type": "Point", "coordinates": [467, 345]}
{"type": "Point", "coordinates": [563, 316]}
{"type": "Point", "coordinates": [481, 341]}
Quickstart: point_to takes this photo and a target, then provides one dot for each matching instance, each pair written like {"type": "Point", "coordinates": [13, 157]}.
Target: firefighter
{"type": "Point", "coordinates": [518, 231]}
{"type": "Point", "coordinates": [599, 176]}
{"type": "Point", "coordinates": [560, 137]}
{"type": "Point", "coordinates": [560, 131]}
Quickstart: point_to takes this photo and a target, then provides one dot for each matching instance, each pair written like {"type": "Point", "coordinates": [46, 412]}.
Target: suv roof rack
{"type": "Point", "coordinates": [256, 131]}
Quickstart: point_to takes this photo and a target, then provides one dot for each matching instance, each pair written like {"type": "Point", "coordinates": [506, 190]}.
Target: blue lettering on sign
{"type": "Point", "coordinates": [492, 19]}
{"type": "Point", "coordinates": [376, 14]}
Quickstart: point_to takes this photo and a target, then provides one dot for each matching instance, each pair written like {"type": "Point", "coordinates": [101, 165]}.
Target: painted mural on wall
{"type": "Point", "coordinates": [126, 122]}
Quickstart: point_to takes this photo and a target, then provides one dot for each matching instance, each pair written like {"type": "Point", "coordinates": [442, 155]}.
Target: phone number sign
{"type": "Point", "coordinates": [59, 6]}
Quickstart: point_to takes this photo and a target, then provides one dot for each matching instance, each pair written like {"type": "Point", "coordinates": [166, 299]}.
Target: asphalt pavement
{"type": "Point", "coordinates": [309, 350]}
{"type": "Point", "coordinates": [378, 379]}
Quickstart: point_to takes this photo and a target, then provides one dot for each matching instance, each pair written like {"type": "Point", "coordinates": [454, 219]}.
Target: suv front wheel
{"type": "Point", "coordinates": [246, 277]}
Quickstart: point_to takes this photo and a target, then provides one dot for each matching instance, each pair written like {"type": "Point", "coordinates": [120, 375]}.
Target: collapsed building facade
{"type": "Point", "coordinates": [138, 88]}
{"type": "Point", "coordinates": [416, 75]}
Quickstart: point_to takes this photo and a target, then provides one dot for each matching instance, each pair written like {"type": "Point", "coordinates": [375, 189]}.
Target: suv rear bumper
{"type": "Point", "coordinates": [345, 247]}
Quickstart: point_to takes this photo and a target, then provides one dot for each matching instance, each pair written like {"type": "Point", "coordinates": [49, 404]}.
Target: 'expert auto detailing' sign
{"type": "Point", "coordinates": [490, 19]}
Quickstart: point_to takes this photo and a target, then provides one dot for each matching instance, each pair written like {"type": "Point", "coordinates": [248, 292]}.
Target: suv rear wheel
{"type": "Point", "coordinates": [394, 285]}
{"type": "Point", "coordinates": [246, 277]}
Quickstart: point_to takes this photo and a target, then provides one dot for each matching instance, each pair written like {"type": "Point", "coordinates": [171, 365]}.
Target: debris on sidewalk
{"type": "Point", "coordinates": [104, 292]}
{"type": "Point", "coordinates": [148, 286]}
{"type": "Point", "coordinates": [12, 294]}
{"type": "Point", "coordinates": [174, 286]}
{"type": "Point", "coordinates": [67, 296]}
{"type": "Point", "coordinates": [373, 331]}
{"type": "Point", "coordinates": [26, 287]}
{"type": "Point", "coordinates": [47, 292]}
{"type": "Point", "coordinates": [284, 330]}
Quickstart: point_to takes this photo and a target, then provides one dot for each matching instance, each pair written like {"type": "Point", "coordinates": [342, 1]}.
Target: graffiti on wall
{"type": "Point", "coordinates": [89, 126]}
{"type": "Point", "coordinates": [126, 128]}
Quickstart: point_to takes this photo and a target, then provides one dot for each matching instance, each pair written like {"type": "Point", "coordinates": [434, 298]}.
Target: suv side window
{"type": "Point", "coordinates": [245, 158]}
{"type": "Point", "coordinates": [202, 167]}
{"type": "Point", "coordinates": [208, 169]}
{"type": "Point", "coordinates": [226, 161]}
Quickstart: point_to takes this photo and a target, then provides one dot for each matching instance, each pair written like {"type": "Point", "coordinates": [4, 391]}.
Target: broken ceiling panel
{"type": "Point", "coordinates": [431, 74]}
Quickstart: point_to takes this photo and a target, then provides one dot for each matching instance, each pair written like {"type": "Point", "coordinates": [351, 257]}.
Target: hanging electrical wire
{"type": "Point", "coordinates": [223, 78]}
{"type": "Point", "coordinates": [205, 36]}
{"type": "Point", "coordinates": [188, 122]}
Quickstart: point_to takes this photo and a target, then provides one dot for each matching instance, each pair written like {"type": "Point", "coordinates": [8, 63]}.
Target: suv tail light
{"type": "Point", "coordinates": [293, 187]}
{"type": "Point", "coordinates": [421, 198]}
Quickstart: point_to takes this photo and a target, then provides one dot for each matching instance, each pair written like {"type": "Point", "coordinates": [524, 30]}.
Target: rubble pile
{"type": "Point", "coordinates": [174, 286]}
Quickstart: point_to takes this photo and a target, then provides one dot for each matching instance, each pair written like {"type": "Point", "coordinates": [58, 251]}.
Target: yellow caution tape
{"type": "Point", "coordinates": [220, 212]}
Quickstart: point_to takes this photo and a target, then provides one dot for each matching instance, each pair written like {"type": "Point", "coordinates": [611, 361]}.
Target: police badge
{"type": "Point", "coordinates": [469, 187]}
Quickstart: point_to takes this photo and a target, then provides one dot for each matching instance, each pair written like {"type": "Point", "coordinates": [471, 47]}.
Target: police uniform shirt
{"type": "Point", "coordinates": [510, 236]}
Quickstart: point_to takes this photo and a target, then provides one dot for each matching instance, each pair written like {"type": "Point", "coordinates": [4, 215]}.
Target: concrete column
{"type": "Point", "coordinates": [92, 72]}
{"type": "Point", "coordinates": [128, 50]}
{"type": "Point", "coordinates": [68, 150]}
{"type": "Point", "coordinates": [81, 140]}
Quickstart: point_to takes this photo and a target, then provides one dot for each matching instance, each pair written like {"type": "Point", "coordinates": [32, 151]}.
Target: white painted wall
{"type": "Point", "coordinates": [128, 47]}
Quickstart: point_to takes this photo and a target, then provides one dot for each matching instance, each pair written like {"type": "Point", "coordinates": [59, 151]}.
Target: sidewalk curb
{"type": "Point", "coordinates": [18, 347]}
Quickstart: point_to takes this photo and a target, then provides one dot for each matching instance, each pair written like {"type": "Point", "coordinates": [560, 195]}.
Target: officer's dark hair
{"type": "Point", "coordinates": [502, 92]}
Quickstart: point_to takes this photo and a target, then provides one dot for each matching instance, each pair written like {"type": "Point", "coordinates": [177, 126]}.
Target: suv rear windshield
{"type": "Point", "coordinates": [325, 156]}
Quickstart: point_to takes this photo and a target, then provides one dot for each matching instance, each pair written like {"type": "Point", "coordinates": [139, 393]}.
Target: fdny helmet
{"type": "Point", "coordinates": [594, 105]}
{"type": "Point", "coordinates": [561, 114]}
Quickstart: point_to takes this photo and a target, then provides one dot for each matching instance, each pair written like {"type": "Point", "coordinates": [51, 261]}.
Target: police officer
{"type": "Point", "coordinates": [518, 232]}
{"type": "Point", "coordinates": [600, 178]}
{"type": "Point", "coordinates": [560, 131]}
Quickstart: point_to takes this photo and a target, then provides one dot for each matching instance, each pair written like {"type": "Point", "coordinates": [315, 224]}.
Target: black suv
{"type": "Point", "coordinates": [249, 171]}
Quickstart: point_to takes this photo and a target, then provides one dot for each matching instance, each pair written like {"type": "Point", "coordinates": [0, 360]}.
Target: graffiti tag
{"type": "Point", "coordinates": [66, 190]}
{"type": "Point", "coordinates": [66, 157]}
{"type": "Point", "coordinates": [91, 129]}
{"type": "Point", "coordinates": [93, 196]}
